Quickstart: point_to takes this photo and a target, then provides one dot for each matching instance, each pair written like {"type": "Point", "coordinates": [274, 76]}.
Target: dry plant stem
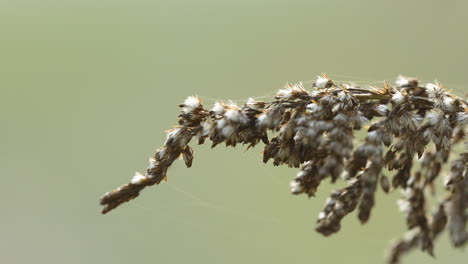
{"type": "Point", "coordinates": [314, 130]}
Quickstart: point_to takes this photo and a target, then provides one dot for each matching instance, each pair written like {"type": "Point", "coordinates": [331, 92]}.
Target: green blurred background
{"type": "Point", "coordinates": [88, 88]}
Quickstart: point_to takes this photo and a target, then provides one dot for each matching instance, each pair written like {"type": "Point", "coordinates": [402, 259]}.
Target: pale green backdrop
{"type": "Point", "coordinates": [88, 87]}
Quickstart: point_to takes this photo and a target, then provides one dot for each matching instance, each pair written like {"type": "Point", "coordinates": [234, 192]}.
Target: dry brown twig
{"type": "Point", "coordinates": [408, 122]}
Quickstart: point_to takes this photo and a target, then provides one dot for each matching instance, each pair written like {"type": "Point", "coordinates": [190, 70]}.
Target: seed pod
{"type": "Point", "coordinates": [384, 183]}
{"type": "Point", "coordinates": [188, 156]}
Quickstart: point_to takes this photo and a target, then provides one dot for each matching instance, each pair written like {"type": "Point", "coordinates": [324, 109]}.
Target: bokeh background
{"type": "Point", "coordinates": [88, 88]}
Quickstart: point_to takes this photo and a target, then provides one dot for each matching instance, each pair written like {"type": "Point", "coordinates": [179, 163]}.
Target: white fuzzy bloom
{"type": "Point", "coordinates": [404, 206]}
{"type": "Point", "coordinates": [322, 215]}
{"type": "Point", "coordinates": [321, 82]}
{"type": "Point", "coordinates": [381, 109]}
{"type": "Point", "coordinates": [218, 108]}
{"type": "Point", "coordinates": [448, 103]}
{"type": "Point", "coordinates": [236, 116]}
{"type": "Point", "coordinates": [314, 108]}
{"type": "Point", "coordinates": [284, 93]}
{"type": "Point", "coordinates": [227, 131]}
{"type": "Point", "coordinates": [342, 96]}
{"type": "Point", "coordinates": [263, 120]}
{"type": "Point", "coordinates": [336, 108]}
{"type": "Point", "coordinates": [291, 90]}
{"type": "Point", "coordinates": [402, 81]}
{"type": "Point", "coordinates": [206, 128]}
{"type": "Point", "coordinates": [408, 192]}
{"type": "Point", "coordinates": [398, 98]}
{"type": "Point", "coordinates": [232, 104]}
{"type": "Point", "coordinates": [433, 89]}
{"type": "Point", "coordinates": [301, 174]}
{"type": "Point", "coordinates": [232, 114]}
{"type": "Point", "coordinates": [295, 187]}
{"type": "Point", "coordinates": [328, 99]}
{"type": "Point", "coordinates": [252, 103]}
{"type": "Point", "coordinates": [433, 117]}
{"type": "Point", "coordinates": [221, 123]}
{"type": "Point", "coordinates": [294, 184]}
{"type": "Point", "coordinates": [190, 104]}
{"type": "Point", "coordinates": [138, 178]}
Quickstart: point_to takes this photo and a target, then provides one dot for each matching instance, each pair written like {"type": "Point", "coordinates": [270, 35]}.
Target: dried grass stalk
{"type": "Point", "coordinates": [406, 123]}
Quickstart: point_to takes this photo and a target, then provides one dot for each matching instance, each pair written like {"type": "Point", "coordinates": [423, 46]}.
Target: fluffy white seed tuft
{"type": "Point", "coordinates": [321, 82]}
{"type": "Point", "coordinates": [218, 108]}
{"type": "Point", "coordinates": [284, 93]}
{"type": "Point", "coordinates": [190, 104]}
{"type": "Point", "coordinates": [433, 117]}
{"type": "Point", "coordinates": [404, 206]}
{"type": "Point", "coordinates": [252, 103]}
{"type": "Point", "coordinates": [314, 108]}
{"type": "Point", "coordinates": [295, 186]}
{"type": "Point", "coordinates": [232, 115]}
{"type": "Point", "coordinates": [264, 120]}
{"type": "Point", "coordinates": [402, 81]}
{"type": "Point", "coordinates": [433, 89]}
{"type": "Point", "coordinates": [227, 131]}
{"type": "Point", "coordinates": [398, 98]}
{"type": "Point", "coordinates": [449, 103]}
{"type": "Point", "coordinates": [221, 123]}
{"type": "Point", "coordinates": [206, 128]}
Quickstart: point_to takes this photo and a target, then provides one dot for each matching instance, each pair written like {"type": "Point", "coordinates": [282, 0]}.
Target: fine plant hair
{"type": "Point", "coordinates": [413, 130]}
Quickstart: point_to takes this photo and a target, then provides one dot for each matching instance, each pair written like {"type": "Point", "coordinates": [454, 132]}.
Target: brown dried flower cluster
{"type": "Point", "coordinates": [412, 131]}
